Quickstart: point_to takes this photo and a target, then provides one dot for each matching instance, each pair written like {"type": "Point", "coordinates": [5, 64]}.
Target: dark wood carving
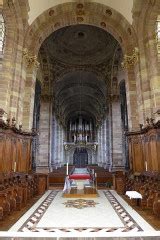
{"type": "Point", "coordinates": [16, 190]}
{"type": "Point", "coordinates": [144, 148]}
{"type": "Point", "coordinates": [15, 148]}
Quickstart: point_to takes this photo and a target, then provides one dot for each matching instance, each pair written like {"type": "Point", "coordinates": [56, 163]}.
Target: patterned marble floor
{"type": "Point", "coordinates": [110, 214]}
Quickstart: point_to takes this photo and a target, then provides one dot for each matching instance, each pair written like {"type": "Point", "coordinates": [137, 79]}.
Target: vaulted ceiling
{"type": "Point", "coordinates": [86, 53]}
{"type": "Point", "coordinates": [80, 93]}
{"type": "Point", "coordinates": [81, 44]}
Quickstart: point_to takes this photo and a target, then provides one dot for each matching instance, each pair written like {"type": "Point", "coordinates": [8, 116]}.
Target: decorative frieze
{"type": "Point", "coordinates": [130, 60]}
{"type": "Point", "coordinates": [31, 60]}
{"type": "Point", "coordinates": [93, 146]}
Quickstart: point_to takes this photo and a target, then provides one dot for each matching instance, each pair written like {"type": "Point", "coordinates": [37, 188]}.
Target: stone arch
{"type": "Point", "coordinates": [63, 15]}
{"type": "Point", "coordinates": [75, 13]}
{"type": "Point", "coordinates": [12, 82]}
{"type": "Point", "coordinates": [91, 154]}
{"type": "Point", "coordinates": [144, 23]}
{"type": "Point", "coordinates": [152, 55]}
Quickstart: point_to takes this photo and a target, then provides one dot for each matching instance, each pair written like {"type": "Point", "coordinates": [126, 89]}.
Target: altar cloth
{"type": "Point", "coordinates": [79, 176]}
{"type": "Point", "coordinates": [133, 194]}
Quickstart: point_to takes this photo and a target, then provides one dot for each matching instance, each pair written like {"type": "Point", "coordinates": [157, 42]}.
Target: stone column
{"type": "Point", "coordinates": [154, 75]}
{"type": "Point", "coordinates": [117, 160]}
{"type": "Point", "coordinates": [110, 136]}
{"type": "Point", "coordinates": [62, 147]}
{"type": "Point", "coordinates": [54, 142]}
{"type": "Point", "coordinates": [59, 144]}
{"type": "Point", "coordinates": [99, 146]}
{"type": "Point", "coordinates": [105, 145]}
{"type": "Point", "coordinates": [43, 162]}
{"type": "Point", "coordinates": [131, 90]}
{"type": "Point", "coordinates": [29, 90]}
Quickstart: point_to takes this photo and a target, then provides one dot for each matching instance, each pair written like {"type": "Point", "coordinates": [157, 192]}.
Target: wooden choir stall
{"type": "Point", "coordinates": [18, 182]}
{"type": "Point", "coordinates": [144, 148]}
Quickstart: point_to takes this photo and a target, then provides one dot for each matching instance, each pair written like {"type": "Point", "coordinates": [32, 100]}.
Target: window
{"type": "Point", "coordinates": [158, 36]}
{"type": "Point", "coordinates": [2, 34]}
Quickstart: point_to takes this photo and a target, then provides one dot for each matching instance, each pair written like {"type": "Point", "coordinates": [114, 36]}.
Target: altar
{"type": "Point", "coordinates": [80, 183]}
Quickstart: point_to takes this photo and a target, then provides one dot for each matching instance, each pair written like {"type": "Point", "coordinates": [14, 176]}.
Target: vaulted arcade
{"type": "Point", "coordinates": [81, 66]}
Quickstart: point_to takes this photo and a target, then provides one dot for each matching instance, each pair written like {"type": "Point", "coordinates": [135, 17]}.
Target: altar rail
{"type": "Point", "coordinates": [104, 178]}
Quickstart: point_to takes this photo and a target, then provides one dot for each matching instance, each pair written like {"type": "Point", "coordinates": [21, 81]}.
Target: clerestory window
{"type": "Point", "coordinates": [2, 35]}
{"type": "Point", "coordinates": [158, 36]}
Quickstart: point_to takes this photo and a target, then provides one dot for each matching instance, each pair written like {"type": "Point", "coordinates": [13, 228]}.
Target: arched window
{"type": "Point", "coordinates": [2, 34]}
{"type": "Point", "coordinates": [158, 36]}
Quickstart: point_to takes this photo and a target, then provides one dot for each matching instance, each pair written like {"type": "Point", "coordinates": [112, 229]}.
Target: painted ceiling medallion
{"type": "Point", "coordinates": [80, 203]}
{"type": "Point", "coordinates": [79, 5]}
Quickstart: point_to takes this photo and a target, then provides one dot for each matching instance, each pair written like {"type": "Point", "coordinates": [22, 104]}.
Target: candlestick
{"type": "Point", "coordinates": [14, 166]}
{"type": "Point", "coordinates": [146, 165]}
{"type": "Point", "coordinates": [67, 169]}
{"type": "Point", "coordinates": [154, 96]}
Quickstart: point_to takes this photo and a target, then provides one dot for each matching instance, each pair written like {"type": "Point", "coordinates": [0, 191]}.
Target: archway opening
{"type": "Point", "coordinates": [79, 72]}
{"type": "Point", "coordinates": [80, 157]}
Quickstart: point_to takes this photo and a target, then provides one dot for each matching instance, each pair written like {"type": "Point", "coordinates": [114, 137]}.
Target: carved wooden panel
{"type": "Point", "coordinates": [144, 150]}
{"type": "Point", "coordinates": [136, 153]}
{"type": "Point", "coordinates": [15, 152]}
{"type": "Point", "coordinates": [2, 143]}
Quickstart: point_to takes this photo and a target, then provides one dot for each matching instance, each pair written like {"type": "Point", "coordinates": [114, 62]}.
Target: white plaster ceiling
{"type": "Point", "coordinates": [37, 7]}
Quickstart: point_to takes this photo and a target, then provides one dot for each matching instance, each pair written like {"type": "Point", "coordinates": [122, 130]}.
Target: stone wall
{"type": "Point", "coordinates": [141, 67]}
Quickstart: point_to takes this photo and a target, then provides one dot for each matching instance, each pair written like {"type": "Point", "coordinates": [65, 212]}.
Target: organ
{"type": "Point", "coordinates": [80, 130]}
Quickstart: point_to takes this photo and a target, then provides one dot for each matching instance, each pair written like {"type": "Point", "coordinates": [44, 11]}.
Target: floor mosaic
{"type": "Point", "coordinates": [130, 224]}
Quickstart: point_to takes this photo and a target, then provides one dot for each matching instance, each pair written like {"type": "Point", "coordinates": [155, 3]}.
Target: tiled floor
{"type": "Point", "coordinates": [111, 215]}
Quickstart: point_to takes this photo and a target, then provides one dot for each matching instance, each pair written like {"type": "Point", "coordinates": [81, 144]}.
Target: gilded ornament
{"type": "Point", "coordinates": [31, 60]}
{"type": "Point", "coordinates": [103, 24]}
{"type": "Point", "coordinates": [108, 12]}
{"type": "Point", "coordinates": [57, 24]}
{"type": "Point", "coordinates": [130, 60]}
{"type": "Point", "coordinates": [80, 12]}
{"type": "Point", "coordinates": [80, 5]}
{"type": "Point", "coordinates": [80, 19]}
{"type": "Point", "coordinates": [51, 12]}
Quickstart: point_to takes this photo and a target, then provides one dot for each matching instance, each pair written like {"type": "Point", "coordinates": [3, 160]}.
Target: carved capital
{"type": "Point", "coordinates": [2, 115]}
{"type": "Point", "coordinates": [46, 98]}
{"type": "Point", "coordinates": [2, 112]}
{"type": "Point", "coordinates": [130, 60]}
{"type": "Point", "coordinates": [31, 60]}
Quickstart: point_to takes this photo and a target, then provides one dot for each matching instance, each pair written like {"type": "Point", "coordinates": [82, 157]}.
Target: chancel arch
{"type": "Point", "coordinates": [80, 110]}
{"type": "Point", "coordinates": [81, 97]}
{"type": "Point", "coordinates": [47, 23]}
{"type": "Point", "coordinates": [46, 28]}
{"type": "Point", "coordinates": [97, 105]}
